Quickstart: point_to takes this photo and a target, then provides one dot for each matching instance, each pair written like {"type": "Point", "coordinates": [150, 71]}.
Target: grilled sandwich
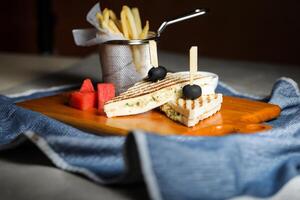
{"type": "Point", "coordinates": [145, 95]}
{"type": "Point", "coordinates": [190, 112]}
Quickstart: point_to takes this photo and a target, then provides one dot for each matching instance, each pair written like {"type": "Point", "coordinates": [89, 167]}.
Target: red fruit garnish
{"type": "Point", "coordinates": [87, 86]}
{"type": "Point", "coordinates": [83, 100]}
{"type": "Point", "coordinates": [106, 91]}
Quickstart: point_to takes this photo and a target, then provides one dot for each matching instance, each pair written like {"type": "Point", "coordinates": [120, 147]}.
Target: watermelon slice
{"type": "Point", "coordinates": [106, 91]}
{"type": "Point", "coordinates": [87, 86]}
{"type": "Point", "coordinates": [83, 100]}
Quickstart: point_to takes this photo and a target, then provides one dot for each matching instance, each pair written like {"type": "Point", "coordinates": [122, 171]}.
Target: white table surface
{"type": "Point", "coordinates": [18, 69]}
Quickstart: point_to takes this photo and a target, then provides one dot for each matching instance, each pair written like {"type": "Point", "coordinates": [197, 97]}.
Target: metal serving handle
{"type": "Point", "coordinates": [155, 36]}
{"type": "Point", "coordinates": [196, 13]}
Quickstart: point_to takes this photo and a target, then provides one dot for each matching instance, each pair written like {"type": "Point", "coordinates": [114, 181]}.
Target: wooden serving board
{"type": "Point", "coordinates": [236, 115]}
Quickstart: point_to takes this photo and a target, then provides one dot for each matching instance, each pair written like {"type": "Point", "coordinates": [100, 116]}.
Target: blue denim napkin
{"type": "Point", "coordinates": [173, 167]}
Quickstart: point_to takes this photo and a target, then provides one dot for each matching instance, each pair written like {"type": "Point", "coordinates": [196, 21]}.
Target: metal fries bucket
{"type": "Point", "coordinates": [124, 64]}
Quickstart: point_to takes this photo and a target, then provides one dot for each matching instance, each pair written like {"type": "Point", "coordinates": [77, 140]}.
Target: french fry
{"type": "Point", "coordinates": [131, 22]}
{"type": "Point", "coordinates": [145, 31]}
{"type": "Point", "coordinates": [129, 30]}
{"type": "Point", "coordinates": [113, 26]}
{"type": "Point", "coordinates": [114, 18]}
{"type": "Point", "coordinates": [112, 15]}
{"type": "Point", "coordinates": [129, 25]}
{"type": "Point", "coordinates": [107, 27]}
{"type": "Point", "coordinates": [106, 15]}
{"type": "Point", "coordinates": [124, 25]}
{"type": "Point", "coordinates": [137, 18]}
{"type": "Point", "coordinates": [133, 34]}
{"type": "Point", "coordinates": [104, 25]}
{"type": "Point", "coordinates": [100, 19]}
{"type": "Point", "coordinates": [136, 56]}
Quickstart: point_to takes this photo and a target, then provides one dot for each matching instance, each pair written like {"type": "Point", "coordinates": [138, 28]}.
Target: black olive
{"type": "Point", "coordinates": [157, 73]}
{"type": "Point", "coordinates": [192, 91]}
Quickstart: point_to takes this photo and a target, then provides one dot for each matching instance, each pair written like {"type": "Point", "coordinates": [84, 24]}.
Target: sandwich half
{"type": "Point", "coordinates": [145, 95]}
{"type": "Point", "coordinates": [190, 112]}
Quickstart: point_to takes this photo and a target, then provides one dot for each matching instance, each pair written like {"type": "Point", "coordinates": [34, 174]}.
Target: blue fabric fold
{"type": "Point", "coordinates": [173, 167]}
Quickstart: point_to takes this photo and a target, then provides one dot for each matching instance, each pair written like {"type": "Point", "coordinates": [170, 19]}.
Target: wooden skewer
{"type": "Point", "coordinates": [193, 63]}
{"type": "Point", "coordinates": [153, 53]}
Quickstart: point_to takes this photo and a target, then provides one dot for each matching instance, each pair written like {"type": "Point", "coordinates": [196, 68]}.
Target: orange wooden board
{"type": "Point", "coordinates": [236, 115]}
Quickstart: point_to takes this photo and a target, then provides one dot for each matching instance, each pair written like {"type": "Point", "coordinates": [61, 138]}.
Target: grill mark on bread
{"type": "Point", "coordinates": [142, 92]}
{"type": "Point", "coordinates": [138, 90]}
{"type": "Point", "coordinates": [142, 88]}
{"type": "Point", "coordinates": [169, 79]}
{"type": "Point", "coordinates": [146, 85]}
{"type": "Point", "coordinates": [180, 102]}
{"type": "Point", "coordinates": [193, 105]}
{"type": "Point", "coordinates": [200, 102]}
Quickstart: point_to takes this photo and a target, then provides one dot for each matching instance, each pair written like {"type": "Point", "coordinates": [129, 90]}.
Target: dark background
{"type": "Point", "coordinates": [256, 30]}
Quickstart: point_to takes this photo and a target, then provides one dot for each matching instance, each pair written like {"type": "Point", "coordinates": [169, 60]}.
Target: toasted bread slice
{"type": "Point", "coordinates": [145, 96]}
{"type": "Point", "coordinates": [190, 112]}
